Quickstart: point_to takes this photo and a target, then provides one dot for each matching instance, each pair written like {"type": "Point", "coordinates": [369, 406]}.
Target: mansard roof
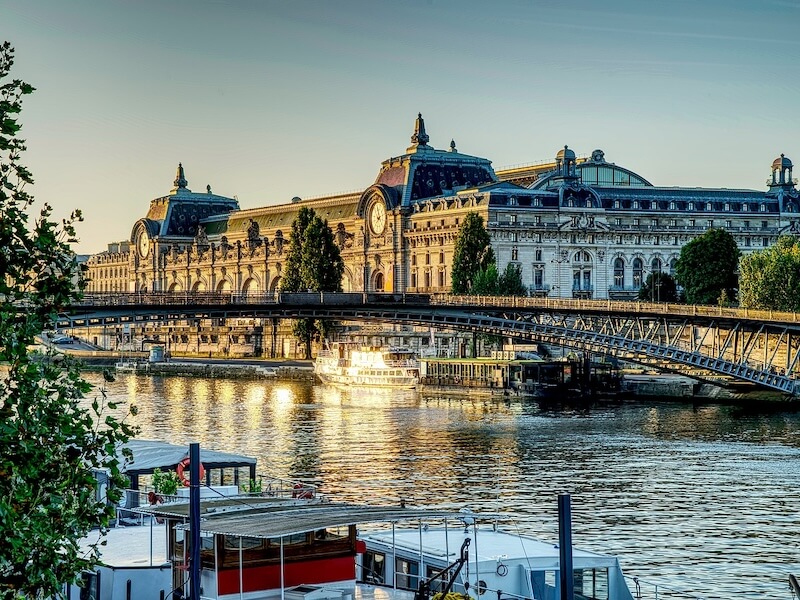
{"type": "Point", "coordinates": [424, 172]}
{"type": "Point", "coordinates": [179, 213]}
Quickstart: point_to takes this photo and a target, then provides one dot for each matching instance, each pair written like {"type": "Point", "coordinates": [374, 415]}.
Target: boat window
{"type": "Point", "coordinates": [232, 543]}
{"type": "Point", "coordinates": [373, 569]}
{"type": "Point", "coordinates": [437, 585]}
{"type": "Point", "coordinates": [407, 574]}
{"type": "Point", "coordinates": [591, 584]}
{"type": "Point", "coordinates": [588, 584]}
{"type": "Point", "coordinates": [90, 587]}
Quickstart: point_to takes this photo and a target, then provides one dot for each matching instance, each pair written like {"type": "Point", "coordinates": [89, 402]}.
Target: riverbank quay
{"type": "Point", "coordinates": [634, 384]}
{"type": "Point", "coordinates": [218, 368]}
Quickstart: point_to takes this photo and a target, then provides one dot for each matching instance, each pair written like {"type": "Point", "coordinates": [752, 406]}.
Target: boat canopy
{"type": "Point", "coordinates": [285, 520]}
{"type": "Point", "coordinates": [149, 455]}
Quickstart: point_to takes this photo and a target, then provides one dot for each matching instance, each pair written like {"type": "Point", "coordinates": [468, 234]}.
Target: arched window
{"type": "Point", "coordinates": [672, 263]}
{"type": "Point", "coordinates": [619, 273]}
{"type": "Point", "coordinates": [638, 268]}
{"type": "Point", "coordinates": [655, 265]}
{"type": "Point", "coordinates": [378, 282]}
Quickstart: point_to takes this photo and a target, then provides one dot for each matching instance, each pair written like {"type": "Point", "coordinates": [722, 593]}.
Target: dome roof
{"type": "Point", "coordinates": [781, 162]}
{"type": "Point", "coordinates": [565, 154]}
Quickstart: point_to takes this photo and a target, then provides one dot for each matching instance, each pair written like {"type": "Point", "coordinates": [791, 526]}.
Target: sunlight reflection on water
{"type": "Point", "coordinates": [700, 498]}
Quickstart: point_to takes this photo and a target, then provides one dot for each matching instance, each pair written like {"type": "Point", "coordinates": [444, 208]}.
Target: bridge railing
{"type": "Point", "coordinates": [618, 306]}
{"type": "Point", "coordinates": [356, 298]}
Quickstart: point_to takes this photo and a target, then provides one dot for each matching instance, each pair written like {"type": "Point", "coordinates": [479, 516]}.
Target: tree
{"type": "Point", "coordinates": [314, 264]}
{"type": "Point", "coordinates": [486, 282]}
{"type": "Point", "coordinates": [510, 281]}
{"type": "Point", "coordinates": [770, 278]}
{"type": "Point", "coordinates": [707, 266]}
{"type": "Point", "coordinates": [659, 287]}
{"type": "Point", "coordinates": [51, 439]}
{"type": "Point", "coordinates": [473, 253]}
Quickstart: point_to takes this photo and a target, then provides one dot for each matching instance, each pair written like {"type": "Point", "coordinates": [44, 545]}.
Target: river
{"type": "Point", "coordinates": [700, 497]}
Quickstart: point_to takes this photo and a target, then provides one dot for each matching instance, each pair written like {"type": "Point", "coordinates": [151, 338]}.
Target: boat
{"type": "Point", "coordinates": [313, 549]}
{"type": "Point", "coordinates": [349, 365]}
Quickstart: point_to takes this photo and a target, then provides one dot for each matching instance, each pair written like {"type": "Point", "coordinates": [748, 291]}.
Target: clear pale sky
{"type": "Point", "coordinates": [267, 100]}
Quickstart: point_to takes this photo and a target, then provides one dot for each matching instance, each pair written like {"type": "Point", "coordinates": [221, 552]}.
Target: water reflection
{"type": "Point", "coordinates": [693, 496]}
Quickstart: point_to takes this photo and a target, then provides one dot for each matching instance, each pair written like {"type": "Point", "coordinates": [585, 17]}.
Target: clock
{"type": "Point", "coordinates": [377, 218]}
{"type": "Point", "coordinates": [143, 244]}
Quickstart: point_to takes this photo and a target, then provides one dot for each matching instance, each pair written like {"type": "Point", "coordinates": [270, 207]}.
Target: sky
{"type": "Point", "coordinates": [267, 100]}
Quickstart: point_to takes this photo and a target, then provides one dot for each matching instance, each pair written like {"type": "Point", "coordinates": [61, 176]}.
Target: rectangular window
{"type": "Point", "coordinates": [727, 224]}
{"type": "Point", "coordinates": [618, 221]}
{"type": "Point", "coordinates": [618, 239]}
{"type": "Point", "coordinates": [636, 222]}
{"type": "Point", "coordinates": [638, 240]}
{"type": "Point", "coordinates": [407, 574]}
{"type": "Point", "coordinates": [747, 242]}
{"type": "Point", "coordinates": [512, 218]}
{"type": "Point", "coordinates": [746, 224]}
{"type": "Point", "coordinates": [514, 253]}
{"type": "Point", "coordinates": [654, 222]}
{"type": "Point", "coordinates": [656, 241]}
{"type": "Point", "coordinates": [765, 242]}
{"type": "Point", "coordinates": [537, 220]}
{"type": "Point", "coordinates": [710, 223]}
{"type": "Point", "coordinates": [538, 278]}
{"type": "Point", "coordinates": [538, 255]}
{"type": "Point", "coordinates": [764, 224]}
{"type": "Point", "coordinates": [373, 569]}
{"type": "Point", "coordinates": [691, 222]}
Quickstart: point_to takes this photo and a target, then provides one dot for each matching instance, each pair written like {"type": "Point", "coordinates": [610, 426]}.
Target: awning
{"type": "Point", "coordinates": [149, 455]}
{"type": "Point", "coordinates": [289, 520]}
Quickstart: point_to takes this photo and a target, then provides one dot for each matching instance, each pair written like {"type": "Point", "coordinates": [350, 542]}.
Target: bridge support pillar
{"type": "Point", "coordinates": [274, 337]}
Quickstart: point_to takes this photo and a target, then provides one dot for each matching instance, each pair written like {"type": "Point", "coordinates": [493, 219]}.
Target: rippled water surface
{"type": "Point", "coordinates": [701, 498]}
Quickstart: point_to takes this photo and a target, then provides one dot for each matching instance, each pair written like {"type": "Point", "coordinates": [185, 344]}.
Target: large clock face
{"type": "Point", "coordinates": [377, 218]}
{"type": "Point", "coordinates": [143, 244]}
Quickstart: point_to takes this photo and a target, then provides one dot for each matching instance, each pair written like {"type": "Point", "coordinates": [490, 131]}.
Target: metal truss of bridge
{"type": "Point", "coordinates": [761, 347]}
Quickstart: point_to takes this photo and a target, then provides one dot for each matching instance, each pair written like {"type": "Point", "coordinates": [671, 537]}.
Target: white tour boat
{"type": "Point", "coordinates": [351, 365]}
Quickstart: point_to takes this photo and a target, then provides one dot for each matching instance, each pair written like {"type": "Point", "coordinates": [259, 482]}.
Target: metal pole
{"type": "Point", "coordinates": [194, 519]}
{"type": "Point", "coordinates": [566, 581]}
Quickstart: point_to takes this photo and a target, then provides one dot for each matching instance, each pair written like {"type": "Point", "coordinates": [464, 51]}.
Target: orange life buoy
{"type": "Point", "coordinates": [302, 492]}
{"type": "Point", "coordinates": [183, 472]}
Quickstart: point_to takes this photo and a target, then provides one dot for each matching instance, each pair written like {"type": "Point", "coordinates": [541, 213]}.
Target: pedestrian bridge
{"type": "Point", "coordinates": [707, 342]}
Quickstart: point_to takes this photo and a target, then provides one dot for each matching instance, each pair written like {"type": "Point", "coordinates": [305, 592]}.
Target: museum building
{"type": "Point", "coordinates": [576, 226]}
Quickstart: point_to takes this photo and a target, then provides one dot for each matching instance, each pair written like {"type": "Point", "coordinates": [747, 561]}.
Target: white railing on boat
{"type": "Point", "coordinates": [646, 590]}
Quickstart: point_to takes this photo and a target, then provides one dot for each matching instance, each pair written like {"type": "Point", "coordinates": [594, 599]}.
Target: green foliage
{"type": "Point", "coordinates": [51, 438]}
{"type": "Point", "coordinates": [252, 487]}
{"type": "Point", "coordinates": [166, 482]}
{"type": "Point", "coordinates": [707, 266]}
{"type": "Point", "coordinates": [659, 287]}
{"type": "Point", "coordinates": [770, 279]}
{"type": "Point", "coordinates": [510, 281]}
{"type": "Point", "coordinates": [314, 264]}
{"type": "Point", "coordinates": [486, 282]}
{"type": "Point", "coordinates": [473, 253]}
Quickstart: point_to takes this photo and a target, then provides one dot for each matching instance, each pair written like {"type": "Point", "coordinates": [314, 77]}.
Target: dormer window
{"type": "Point", "coordinates": [616, 204]}
{"type": "Point", "coordinates": [635, 204]}
{"type": "Point", "coordinates": [708, 205]}
{"type": "Point", "coordinates": [763, 207]}
{"type": "Point", "coordinates": [690, 206]}
{"type": "Point", "coordinates": [727, 206]}
{"type": "Point", "coordinates": [672, 205]}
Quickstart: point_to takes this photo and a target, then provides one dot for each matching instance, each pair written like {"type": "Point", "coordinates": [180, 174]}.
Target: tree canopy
{"type": "Point", "coordinates": [473, 253]}
{"type": "Point", "coordinates": [51, 437]}
{"type": "Point", "coordinates": [707, 267]}
{"type": "Point", "coordinates": [314, 264]}
{"type": "Point", "coordinates": [659, 287]}
{"type": "Point", "coordinates": [770, 278]}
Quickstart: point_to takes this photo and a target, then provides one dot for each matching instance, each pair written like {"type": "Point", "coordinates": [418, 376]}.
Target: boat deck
{"type": "Point", "coordinates": [132, 546]}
